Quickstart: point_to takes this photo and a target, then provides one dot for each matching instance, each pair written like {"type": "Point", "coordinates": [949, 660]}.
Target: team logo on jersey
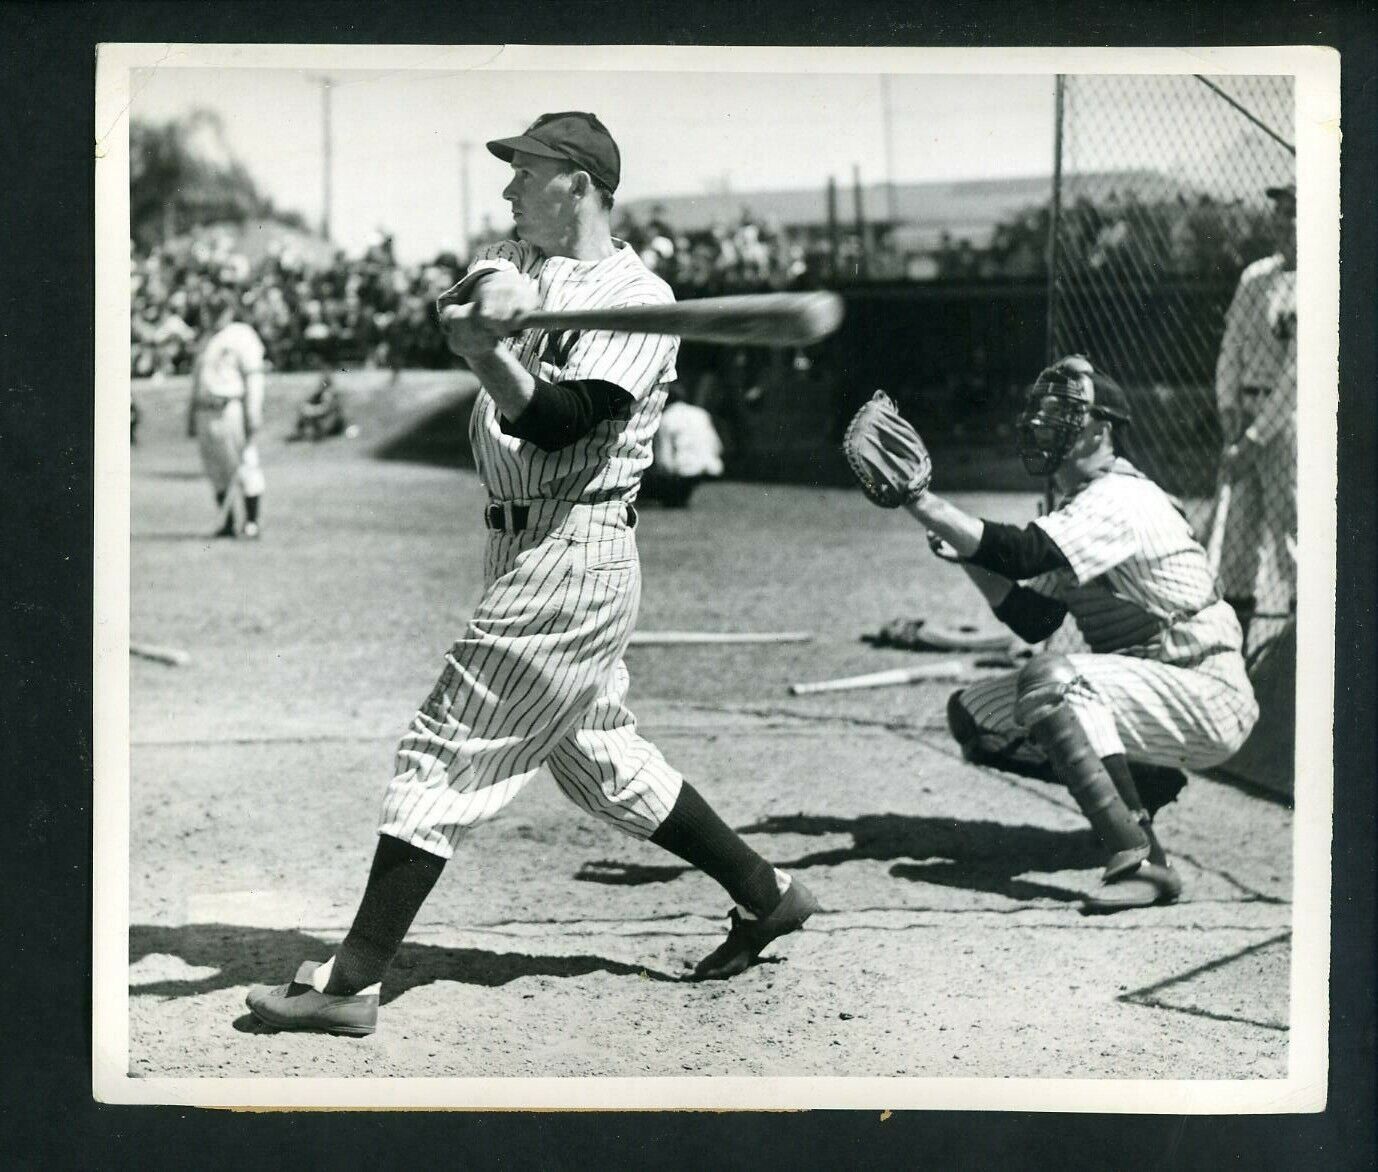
{"type": "Point", "coordinates": [559, 346]}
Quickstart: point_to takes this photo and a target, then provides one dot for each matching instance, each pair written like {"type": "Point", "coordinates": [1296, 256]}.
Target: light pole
{"type": "Point", "coordinates": [325, 83]}
{"type": "Point", "coordinates": [464, 205]}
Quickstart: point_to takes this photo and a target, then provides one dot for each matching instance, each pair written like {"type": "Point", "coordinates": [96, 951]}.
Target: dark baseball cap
{"type": "Point", "coordinates": [1282, 191]}
{"type": "Point", "coordinates": [572, 135]}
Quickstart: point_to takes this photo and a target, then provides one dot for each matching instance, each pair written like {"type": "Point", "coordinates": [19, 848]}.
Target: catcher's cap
{"type": "Point", "coordinates": [1103, 396]}
{"type": "Point", "coordinates": [1282, 191]}
{"type": "Point", "coordinates": [572, 135]}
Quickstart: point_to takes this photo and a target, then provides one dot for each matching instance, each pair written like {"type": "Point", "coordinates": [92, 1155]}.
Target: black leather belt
{"type": "Point", "coordinates": [494, 517]}
{"type": "Point", "coordinates": [1254, 392]}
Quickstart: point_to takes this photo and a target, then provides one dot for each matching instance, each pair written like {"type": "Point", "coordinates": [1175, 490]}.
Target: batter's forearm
{"type": "Point", "coordinates": [507, 380]}
{"type": "Point", "coordinates": [959, 529]}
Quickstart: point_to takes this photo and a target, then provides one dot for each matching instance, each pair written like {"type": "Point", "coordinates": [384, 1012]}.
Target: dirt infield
{"type": "Point", "coordinates": [949, 945]}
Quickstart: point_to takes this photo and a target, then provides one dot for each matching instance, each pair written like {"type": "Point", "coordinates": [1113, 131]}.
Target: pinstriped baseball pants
{"type": "Point", "coordinates": [1149, 711]}
{"type": "Point", "coordinates": [536, 679]}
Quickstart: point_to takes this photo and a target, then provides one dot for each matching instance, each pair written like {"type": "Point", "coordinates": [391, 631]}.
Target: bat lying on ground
{"type": "Point", "coordinates": [676, 638]}
{"type": "Point", "coordinates": [951, 669]}
{"type": "Point", "coordinates": [172, 656]}
{"type": "Point", "coordinates": [1215, 544]}
{"type": "Point", "coordinates": [750, 319]}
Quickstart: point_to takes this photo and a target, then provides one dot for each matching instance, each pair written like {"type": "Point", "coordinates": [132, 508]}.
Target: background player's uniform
{"type": "Point", "coordinates": [221, 385]}
{"type": "Point", "coordinates": [1165, 681]}
{"type": "Point", "coordinates": [1256, 386]}
{"type": "Point", "coordinates": [537, 677]}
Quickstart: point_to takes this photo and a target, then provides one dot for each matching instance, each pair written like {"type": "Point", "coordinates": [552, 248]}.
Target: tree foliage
{"type": "Point", "coordinates": [182, 174]}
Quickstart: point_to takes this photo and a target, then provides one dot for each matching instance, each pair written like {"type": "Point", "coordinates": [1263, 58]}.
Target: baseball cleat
{"type": "Point", "coordinates": [1148, 885]}
{"type": "Point", "coordinates": [251, 529]}
{"type": "Point", "coordinates": [747, 938]}
{"type": "Point", "coordinates": [298, 1006]}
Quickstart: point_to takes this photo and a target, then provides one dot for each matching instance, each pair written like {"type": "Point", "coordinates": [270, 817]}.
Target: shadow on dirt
{"type": "Point", "coordinates": [245, 956]}
{"type": "Point", "coordinates": [437, 436]}
{"type": "Point", "coordinates": [979, 856]}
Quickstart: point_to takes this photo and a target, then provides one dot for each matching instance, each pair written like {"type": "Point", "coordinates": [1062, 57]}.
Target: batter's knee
{"type": "Point", "coordinates": [1041, 687]}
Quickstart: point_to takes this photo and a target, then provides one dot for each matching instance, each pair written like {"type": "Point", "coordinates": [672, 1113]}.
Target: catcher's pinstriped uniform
{"type": "Point", "coordinates": [1164, 681]}
{"type": "Point", "coordinates": [537, 678]}
{"type": "Point", "coordinates": [227, 392]}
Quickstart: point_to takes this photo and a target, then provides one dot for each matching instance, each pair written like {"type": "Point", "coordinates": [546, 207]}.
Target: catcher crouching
{"type": "Point", "coordinates": [1163, 687]}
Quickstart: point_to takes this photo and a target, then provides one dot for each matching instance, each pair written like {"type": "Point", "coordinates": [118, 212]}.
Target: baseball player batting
{"type": "Point", "coordinates": [561, 432]}
{"type": "Point", "coordinates": [225, 414]}
{"type": "Point", "coordinates": [1164, 684]}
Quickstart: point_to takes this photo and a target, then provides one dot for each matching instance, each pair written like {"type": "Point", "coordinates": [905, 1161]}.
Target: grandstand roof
{"type": "Point", "coordinates": [966, 209]}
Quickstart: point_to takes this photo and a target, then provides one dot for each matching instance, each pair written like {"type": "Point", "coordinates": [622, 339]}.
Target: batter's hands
{"type": "Point", "coordinates": [503, 296]}
{"type": "Point", "coordinates": [467, 333]}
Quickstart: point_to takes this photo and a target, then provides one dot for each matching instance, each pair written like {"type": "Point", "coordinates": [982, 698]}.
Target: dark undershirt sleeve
{"type": "Point", "coordinates": [560, 413]}
{"type": "Point", "coordinates": [1030, 615]}
{"type": "Point", "coordinates": [1017, 553]}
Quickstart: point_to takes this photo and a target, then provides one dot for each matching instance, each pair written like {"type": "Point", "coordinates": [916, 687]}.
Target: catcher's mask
{"type": "Point", "coordinates": [1057, 407]}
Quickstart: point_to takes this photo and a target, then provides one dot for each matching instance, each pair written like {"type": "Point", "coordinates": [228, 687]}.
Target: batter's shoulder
{"type": "Point", "coordinates": [515, 252]}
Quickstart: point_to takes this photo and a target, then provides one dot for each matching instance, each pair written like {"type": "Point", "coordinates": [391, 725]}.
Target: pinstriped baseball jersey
{"type": "Point", "coordinates": [608, 462]}
{"type": "Point", "coordinates": [1165, 682]}
{"type": "Point", "coordinates": [1139, 583]}
{"type": "Point", "coordinates": [1253, 353]}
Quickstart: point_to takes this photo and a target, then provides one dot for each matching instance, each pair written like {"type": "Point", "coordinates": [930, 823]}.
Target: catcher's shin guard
{"type": "Point", "coordinates": [1041, 707]}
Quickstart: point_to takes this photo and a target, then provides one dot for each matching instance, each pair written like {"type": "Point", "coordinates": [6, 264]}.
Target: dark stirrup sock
{"type": "Point", "coordinates": [698, 836]}
{"type": "Point", "coordinates": [398, 883]}
{"type": "Point", "coordinates": [1117, 765]}
{"type": "Point", "coordinates": [251, 508]}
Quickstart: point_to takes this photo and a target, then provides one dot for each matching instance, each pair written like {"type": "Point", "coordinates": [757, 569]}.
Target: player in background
{"type": "Point", "coordinates": [225, 413]}
{"type": "Point", "coordinates": [1164, 683]}
{"type": "Point", "coordinates": [687, 450]}
{"type": "Point", "coordinates": [1256, 394]}
{"type": "Point", "coordinates": [561, 431]}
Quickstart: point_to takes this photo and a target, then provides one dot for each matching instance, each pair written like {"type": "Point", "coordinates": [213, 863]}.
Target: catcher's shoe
{"type": "Point", "coordinates": [746, 938]}
{"type": "Point", "coordinates": [1148, 885]}
{"type": "Point", "coordinates": [299, 1006]}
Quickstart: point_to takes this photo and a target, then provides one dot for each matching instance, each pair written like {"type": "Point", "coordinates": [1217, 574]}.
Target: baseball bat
{"type": "Point", "coordinates": [227, 506]}
{"type": "Point", "coordinates": [1215, 544]}
{"type": "Point", "coordinates": [172, 656]}
{"type": "Point", "coordinates": [949, 670]}
{"type": "Point", "coordinates": [684, 638]}
{"type": "Point", "coordinates": [750, 319]}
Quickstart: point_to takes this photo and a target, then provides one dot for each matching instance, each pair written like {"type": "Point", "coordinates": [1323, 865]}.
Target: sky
{"type": "Point", "coordinates": [687, 121]}
{"type": "Point", "coordinates": [396, 136]}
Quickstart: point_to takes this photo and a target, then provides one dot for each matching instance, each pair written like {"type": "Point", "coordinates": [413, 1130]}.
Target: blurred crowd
{"type": "Point", "coordinates": [362, 311]}
{"type": "Point", "coordinates": [755, 253]}
{"type": "Point", "coordinates": [373, 311]}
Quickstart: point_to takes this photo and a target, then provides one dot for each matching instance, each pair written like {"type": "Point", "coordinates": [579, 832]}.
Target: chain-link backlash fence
{"type": "Point", "coordinates": [1160, 208]}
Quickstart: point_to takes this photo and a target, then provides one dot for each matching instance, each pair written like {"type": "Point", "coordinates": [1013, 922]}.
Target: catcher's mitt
{"type": "Point", "coordinates": [886, 454]}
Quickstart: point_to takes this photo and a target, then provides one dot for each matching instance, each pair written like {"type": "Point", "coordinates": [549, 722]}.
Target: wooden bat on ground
{"type": "Point", "coordinates": [680, 638]}
{"type": "Point", "coordinates": [749, 319]}
{"type": "Point", "coordinates": [1215, 544]}
{"type": "Point", "coordinates": [172, 656]}
{"type": "Point", "coordinates": [227, 507]}
{"type": "Point", "coordinates": [952, 669]}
